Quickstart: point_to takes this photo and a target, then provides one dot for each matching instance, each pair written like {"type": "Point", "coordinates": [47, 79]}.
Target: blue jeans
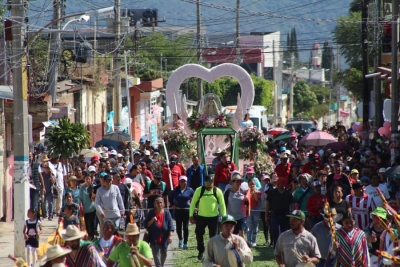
{"type": "Point", "coordinates": [252, 226]}
{"type": "Point", "coordinates": [279, 224]}
{"type": "Point", "coordinates": [47, 199]}
{"type": "Point", "coordinates": [222, 186]}
{"type": "Point", "coordinates": [115, 220]}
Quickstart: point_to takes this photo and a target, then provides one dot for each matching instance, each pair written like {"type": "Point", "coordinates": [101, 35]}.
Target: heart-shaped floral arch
{"type": "Point", "coordinates": [209, 75]}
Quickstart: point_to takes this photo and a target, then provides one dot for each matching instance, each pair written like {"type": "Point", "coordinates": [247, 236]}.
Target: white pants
{"type": "Point", "coordinates": [58, 202]}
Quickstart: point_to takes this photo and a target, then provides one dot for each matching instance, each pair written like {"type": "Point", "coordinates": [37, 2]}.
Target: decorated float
{"type": "Point", "coordinates": [209, 129]}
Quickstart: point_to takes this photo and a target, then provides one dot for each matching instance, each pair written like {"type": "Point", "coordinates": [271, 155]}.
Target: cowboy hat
{"type": "Point", "coordinates": [131, 229]}
{"type": "Point", "coordinates": [45, 158]}
{"type": "Point", "coordinates": [335, 216]}
{"type": "Point", "coordinates": [217, 152]}
{"type": "Point", "coordinates": [72, 233]}
{"type": "Point", "coordinates": [54, 252]}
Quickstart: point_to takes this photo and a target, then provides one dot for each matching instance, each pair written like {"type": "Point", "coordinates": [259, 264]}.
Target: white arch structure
{"type": "Point", "coordinates": [209, 75]}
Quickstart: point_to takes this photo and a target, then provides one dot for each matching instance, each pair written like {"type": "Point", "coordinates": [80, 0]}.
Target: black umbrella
{"type": "Point", "coordinates": [393, 172]}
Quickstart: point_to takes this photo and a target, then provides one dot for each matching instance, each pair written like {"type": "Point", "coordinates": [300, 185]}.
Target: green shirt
{"type": "Point", "coordinates": [121, 253]}
{"type": "Point", "coordinates": [208, 204]}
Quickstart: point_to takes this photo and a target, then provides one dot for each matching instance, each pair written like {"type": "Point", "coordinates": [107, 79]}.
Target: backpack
{"type": "Point", "coordinates": [163, 184]}
{"type": "Point", "coordinates": [203, 189]}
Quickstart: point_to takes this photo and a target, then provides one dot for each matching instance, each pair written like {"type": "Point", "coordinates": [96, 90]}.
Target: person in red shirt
{"type": "Point", "coordinates": [315, 204]}
{"type": "Point", "coordinates": [283, 169]}
{"type": "Point", "coordinates": [183, 171]}
{"type": "Point", "coordinates": [223, 172]}
{"type": "Point", "coordinates": [175, 172]}
{"type": "Point", "coordinates": [146, 171]}
{"type": "Point", "coordinates": [313, 159]}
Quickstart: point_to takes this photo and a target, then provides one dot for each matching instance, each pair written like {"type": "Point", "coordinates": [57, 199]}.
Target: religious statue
{"type": "Point", "coordinates": [211, 107]}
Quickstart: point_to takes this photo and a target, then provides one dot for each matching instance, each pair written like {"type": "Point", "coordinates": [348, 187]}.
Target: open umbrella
{"type": "Point", "coordinates": [118, 136]}
{"type": "Point", "coordinates": [107, 143]}
{"type": "Point", "coordinates": [317, 138]}
{"type": "Point", "coordinates": [393, 172]}
{"type": "Point", "coordinates": [276, 131]}
{"type": "Point", "coordinates": [90, 153]}
{"type": "Point", "coordinates": [340, 146]}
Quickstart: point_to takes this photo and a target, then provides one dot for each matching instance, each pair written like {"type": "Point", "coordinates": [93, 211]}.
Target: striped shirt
{"type": "Point", "coordinates": [361, 207]}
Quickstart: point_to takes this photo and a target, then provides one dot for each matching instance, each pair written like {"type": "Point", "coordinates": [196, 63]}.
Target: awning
{"type": "Point", "coordinates": [6, 92]}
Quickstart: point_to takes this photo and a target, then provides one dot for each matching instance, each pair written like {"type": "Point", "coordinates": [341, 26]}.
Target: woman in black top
{"type": "Point", "coordinates": [341, 205]}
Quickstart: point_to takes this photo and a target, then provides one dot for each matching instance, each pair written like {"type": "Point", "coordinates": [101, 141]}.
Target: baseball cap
{"type": "Point", "coordinates": [298, 214]}
{"type": "Point", "coordinates": [228, 218]}
{"type": "Point", "coordinates": [113, 152]}
{"type": "Point", "coordinates": [282, 149]}
{"type": "Point", "coordinates": [208, 178]}
{"type": "Point", "coordinates": [250, 170]}
{"type": "Point", "coordinates": [281, 180]}
{"type": "Point", "coordinates": [316, 183]}
{"type": "Point", "coordinates": [92, 169]}
{"type": "Point", "coordinates": [128, 181]}
{"type": "Point", "coordinates": [182, 177]}
{"type": "Point", "coordinates": [382, 170]}
{"type": "Point", "coordinates": [346, 169]}
{"type": "Point", "coordinates": [354, 171]}
{"type": "Point", "coordinates": [332, 155]}
{"type": "Point", "coordinates": [236, 176]}
{"type": "Point", "coordinates": [172, 159]}
{"type": "Point", "coordinates": [107, 177]}
{"type": "Point", "coordinates": [142, 140]}
{"type": "Point", "coordinates": [338, 162]}
{"type": "Point", "coordinates": [119, 155]}
{"type": "Point", "coordinates": [147, 153]}
{"type": "Point", "coordinates": [265, 176]}
{"type": "Point", "coordinates": [95, 157]}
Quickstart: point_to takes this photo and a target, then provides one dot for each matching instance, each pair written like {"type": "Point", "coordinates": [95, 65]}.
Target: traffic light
{"type": "Point", "coordinates": [145, 16]}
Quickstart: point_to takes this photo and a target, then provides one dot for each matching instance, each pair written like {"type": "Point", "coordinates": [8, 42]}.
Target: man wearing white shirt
{"type": "Point", "coordinates": [361, 205]}
{"type": "Point", "coordinates": [61, 172]}
{"type": "Point", "coordinates": [372, 192]}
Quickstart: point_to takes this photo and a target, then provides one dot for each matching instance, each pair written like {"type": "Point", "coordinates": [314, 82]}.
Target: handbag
{"type": "Point", "coordinates": [54, 191]}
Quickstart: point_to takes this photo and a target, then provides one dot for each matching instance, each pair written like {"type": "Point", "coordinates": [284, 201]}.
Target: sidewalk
{"type": "Point", "coordinates": [7, 242]}
{"type": "Point", "coordinates": [7, 239]}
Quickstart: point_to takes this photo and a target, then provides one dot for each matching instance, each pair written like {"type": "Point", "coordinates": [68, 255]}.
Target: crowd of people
{"type": "Point", "coordinates": [323, 206]}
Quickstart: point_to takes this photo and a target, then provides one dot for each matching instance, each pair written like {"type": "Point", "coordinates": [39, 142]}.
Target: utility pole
{"type": "Point", "coordinates": [364, 40]}
{"type": "Point", "coordinates": [291, 86]}
{"type": "Point", "coordinates": [20, 131]}
{"type": "Point", "coordinates": [238, 56]}
{"type": "Point", "coordinates": [395, 84]}
{"type": "Point", "coordinates": [332, 87]}
{"type": "Point", "coordinates": [275, 83]}
{"type": "Point", "coordinates": [55, 48]}
{"type": "Point", "coordinates": [338, 86]}
{"type": "Point", "coordinates": [117, 67]}
{"type": "Point", "coordinates": [199, 80]}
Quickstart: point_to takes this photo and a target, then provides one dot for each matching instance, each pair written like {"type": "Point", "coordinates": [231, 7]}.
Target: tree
{"type": "Point", "coordinates": [67, 138]}
{"type": "Point", "coordinates": [352, 80]}
{"type": "Point", "coordinates": [228, 88]}
{"type": "Point", "coordinates": [347, 34]}
{"type": "Point", "coordinates": [293, 40]}
{"type": "Point", "coordinates": [304, 99]}
{"type": "Point", "coordinates": [327, 56]}
{"type": "Point", "coordinates": [322, 94]}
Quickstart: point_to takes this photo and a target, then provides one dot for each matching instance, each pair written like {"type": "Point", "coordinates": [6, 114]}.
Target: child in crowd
{"type": "Point", "coordinates": [70, 218]}
{"type": "Point", "coordinates": [32, 231]}
{"type": "Point", "coordinates": [253, 218]}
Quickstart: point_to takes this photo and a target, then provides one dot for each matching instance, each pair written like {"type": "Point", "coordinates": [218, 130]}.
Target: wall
{"type": "Point", "coordinates": [95, 107]}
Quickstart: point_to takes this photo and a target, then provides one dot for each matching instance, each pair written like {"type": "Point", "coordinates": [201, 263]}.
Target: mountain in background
{"type": "Point", "coordinates": [313, 19]}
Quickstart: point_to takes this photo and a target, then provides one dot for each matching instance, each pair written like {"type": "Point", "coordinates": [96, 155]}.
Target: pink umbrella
{"type": "Point", "coordinates": [276, 131]}
{"type": "Point", "coordinates": [317, 138]}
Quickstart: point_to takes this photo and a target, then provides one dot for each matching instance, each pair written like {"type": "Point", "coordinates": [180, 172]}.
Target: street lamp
{"type": "Point", "coordinates": [82, 18]}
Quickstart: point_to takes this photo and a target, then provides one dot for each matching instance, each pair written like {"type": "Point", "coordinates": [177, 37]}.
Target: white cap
{"type": "Point", "coordinates": [91, 169]}
{"type": "Point", "coordinates": [113, 152]}
{"type": "Point", "coordinates": [105, 149]}
{"type": "Point", "coordinates": [128, 181]}
{"type": "Point", "coordinates": [119, 155]}
{"type": "Point", "coordinates": [183, 177]}
{"type": "Point", "coordinates": [147, 152]}
{"type": "Point", "coordinates": [382, 170]}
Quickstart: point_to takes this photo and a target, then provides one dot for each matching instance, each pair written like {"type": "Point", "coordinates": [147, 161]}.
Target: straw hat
{"type": "Point", "coordinates": [72, 233]}
{"type": "Point", "coordinates": [54, 252]}
{"type": "Point", "coordinates": [217, 152]}
{"type": "Point", "coordinates": [45, 158]}
{"type": "Point", "coordinates": [131, 229]}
